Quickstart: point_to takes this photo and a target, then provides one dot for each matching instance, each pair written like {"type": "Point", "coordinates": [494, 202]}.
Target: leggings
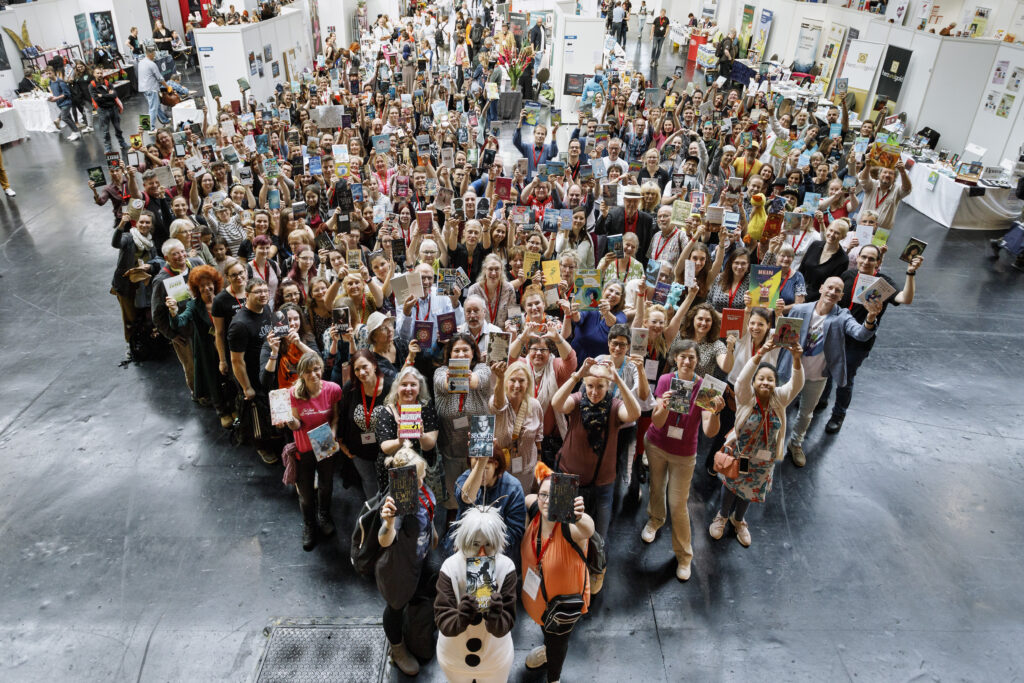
{"type": "Point", "coordinates": [732, 505]}
{"type": "Point", "coordinates": [308, 468]}
{"type": "Point", "coordinates": [393, 624]}
{"type": "Point", "coordinates": [557, 647]}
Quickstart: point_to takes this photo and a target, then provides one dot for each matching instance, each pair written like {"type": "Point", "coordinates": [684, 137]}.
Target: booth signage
{"type": "Point", "coordinates": [894, 70]}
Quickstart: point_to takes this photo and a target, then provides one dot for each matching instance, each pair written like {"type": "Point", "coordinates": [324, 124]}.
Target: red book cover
{"type": "Point", "coordinates": [732, 321]}
{"type": "Point", "coordinates": [503, 188]}
{"type": "Point", "coordinates": [425, 221]}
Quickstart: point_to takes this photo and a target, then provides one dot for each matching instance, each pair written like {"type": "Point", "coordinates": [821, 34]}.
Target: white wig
{"type": "Point", "coordinates": [480, 521]}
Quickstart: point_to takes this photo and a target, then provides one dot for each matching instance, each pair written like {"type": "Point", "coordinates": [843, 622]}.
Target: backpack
{"type": "Point", "coordinates": [439, 38]}
{"type": "Point", "coordinates": [365, 549]}
{"type": "Point", "coordinates": [476, 34]}
{"type": "Point", "coordinates": [596, 558]}
{"type": "Point", "coordinates": [146, 343]}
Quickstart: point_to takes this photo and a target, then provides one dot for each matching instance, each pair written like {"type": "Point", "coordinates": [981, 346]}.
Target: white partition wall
{"type": "Point", "coordinates": [577, 41]}
{"type": "Point", "coordinates": [998, 123]}
{"type": "Point", "coordinates": [224, 54]}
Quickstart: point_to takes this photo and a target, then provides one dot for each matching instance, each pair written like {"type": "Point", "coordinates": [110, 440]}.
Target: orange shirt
{"type": "Point", "coordinates": [564, 571]}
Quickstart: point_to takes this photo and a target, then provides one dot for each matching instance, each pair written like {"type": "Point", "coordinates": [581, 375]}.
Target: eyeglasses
{"type": "Point", "coordinates": [539, 349]}
{"type": "Point", "coordinates": [238, 275]}
{"type": "Point", "coordinates": [617, 345]}
{"type": "Point", "coordinates": [543, 496]}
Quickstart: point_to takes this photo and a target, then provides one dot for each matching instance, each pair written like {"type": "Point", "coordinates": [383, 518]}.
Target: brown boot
{"type": "Point", "coordinates": [404, 660]}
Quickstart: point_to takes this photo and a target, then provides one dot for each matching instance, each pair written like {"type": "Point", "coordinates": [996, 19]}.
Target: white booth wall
{"type": "Point", "coordinates": [223, 54]}
{"type": "Point", "coordinates": [575, 54]}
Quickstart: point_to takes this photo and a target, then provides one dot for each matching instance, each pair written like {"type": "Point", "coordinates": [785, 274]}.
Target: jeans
{"type": "Point", "coordinates": [622, 33]}
{"type": "Point", "coordinates": [308, 469]}
{"type": "Point", "coordinates": [656, 50]}
{"type": "Point", "coordinates": [856, 354]}
{"type": "Point", "coordinates": [69, 121]}
{"type": "Point", "coordinates": [672, 474]}
{"type": "Point", "coordinates": [153, 101]}
{"type": "Point", "coordinates": [597, 501]}
{"type": "Point", "coordinates": [809, 396]}
{"type": "Point", "coordinates": [106, 118]}
{"type": "Point", "coordinates": [367, 470]}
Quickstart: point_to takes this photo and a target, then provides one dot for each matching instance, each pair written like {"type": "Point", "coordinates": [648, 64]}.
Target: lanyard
{"type": "Point", "coordinates": [265, 275]}
{"type": "Point", "coordinates": [878, 202]}
{"type": "Point", "coordinates": [630, 225]}
{"type": "Point", "coordinates": [796, 245]}
{"type": "Point", "coordinates": [537, 156]}
{"type": "Point", "coordinates": [429, 304]}
{"type": "Point", "coordinates": [366, 412]}
{"type": "Point", "coordinates": [574, 171]}
{"type": "Point", "coordinates": [536, 384]}
{"type": "Point", "coordinates": [733, 292]}
{"type": "Point", "coordinates": [492, 311]}
{"type": "Point", "coordinates": [853, 291]}
{"type": "Point", "coordinates": [789, 274]}
{"type": "Point", "coordinates": [540, 552]}
{"type": "Point", "coordinates": [657, 252]}
{"type": "Point", "coordinates": [765, 414]}
{"type": "Point", "coordinates": [425, 501]}
{"type": "Point", "coordinates": [462, 402]}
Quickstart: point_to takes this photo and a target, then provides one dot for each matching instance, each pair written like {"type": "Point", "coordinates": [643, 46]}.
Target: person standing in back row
{"type": "Point", "coordinates": [150, 80]}
{"type": "Point", "coordinates": [659, 29]}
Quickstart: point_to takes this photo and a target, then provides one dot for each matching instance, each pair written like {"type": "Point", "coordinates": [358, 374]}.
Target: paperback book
{"type": "Point", "coordinates": [480, 580]}
{"type": "Point", "coordinates": [280, 406]}
{"type": "Point", "coordinates": [710, 389]}
{"type": "Point", "coordinates": [481, 436]}
{"type": "Point", "coordinates": [787, 332]}
{"type": "Point", "coordinates": [403, 487]}
{"type": "Point", "coordinates": [322, 440]}
{"type": "Point", "coordinates": [410, 421]}
{"type": "Point", "coordinates": [765, 282]}
{"type": "Point", "coordinates": [680, 393]}
{"type": "Point", "coordinates": [497, 347]}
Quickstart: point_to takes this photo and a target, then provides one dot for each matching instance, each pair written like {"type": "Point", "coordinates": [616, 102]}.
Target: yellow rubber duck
{"type": "Point", "coordinates": [757, 220]}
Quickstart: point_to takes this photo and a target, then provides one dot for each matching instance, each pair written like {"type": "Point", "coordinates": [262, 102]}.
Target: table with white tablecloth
{"type": "Point", "coordinates": [186, 112]}
{"type": "Point", "coordinates": [37, 114]}
{"type": "Point", "coordinates": [13, 129]}
{"type": "Point", "coordinates": [955, 205]}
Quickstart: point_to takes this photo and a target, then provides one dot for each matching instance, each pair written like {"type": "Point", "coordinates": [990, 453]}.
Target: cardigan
{"type": "Point", "coordinates": [838, 324]}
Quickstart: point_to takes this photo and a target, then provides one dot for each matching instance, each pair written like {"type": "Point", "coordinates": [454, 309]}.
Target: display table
{"type": "Point", "coordinates": [13, 128]}
{"type": "Point", "coordinates": [695, 42]}
{"type": "Point", "coordinates": [37, 114]}
{"type": "Point", "coordinates": [951, 204]}
{"type": "Point", "coordinates": [678, 34]}
{"type": "Point", "coordinates": [186, 112]}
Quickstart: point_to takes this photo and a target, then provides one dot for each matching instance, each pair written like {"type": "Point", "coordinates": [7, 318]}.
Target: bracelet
{"type": "Point", "coordinates": [273, 358]}
{"type": "Point", "coordinates": [911, 273]}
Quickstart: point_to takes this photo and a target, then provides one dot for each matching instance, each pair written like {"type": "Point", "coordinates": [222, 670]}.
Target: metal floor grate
{"type": "Point", "coordinates": [296, 653]}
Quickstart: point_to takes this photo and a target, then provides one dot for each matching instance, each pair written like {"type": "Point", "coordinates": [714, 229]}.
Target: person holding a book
{"type": "Point", "coordinates": [462, 386]}
{"type": "Point", "coordinates": [423, 313]}
{"type": "Point", "coordinates": [793, 289]}
{"type": "Point", "coordinates": [594, 416]}
{"type": "Point", "coordinates": [855, 290]}
{"type": "Point", "coordinates": [554, 570]}
{"type": "Point", "coordinates": [823, 331]}
{"type": "Point", "coordinates": [884, 197]}
{"type": "Point", "coordinates": [475, 607]}
{"type": "Point", "coordinates": [627, 219]}
{"type": "Point", "coordinates": [729, 288]}
{"type": "Point", "coordinates": [624, 266]}
{"type": "Point", "coordinates": [406, 419]}
{"type": "Point", "coordinates": [357, 417]}
{"type": "Point", "coordinates": [589, 328]}
{"type": "Point", "coordinates": [825, 258]}
{"type": "Point", "coordinates": [314, 407]}
{"type": "Point", "coordinates": [701, 325]}
{"type": "Point", "coordinates": [577, 239]}
{"type": "Point", "coordinates": [538, 153]}
{"type": "Point", "coordinates": [496, 292]}
{"type": "Point", "coordinates": [670, 444]}
{"type": "Point", "coordinates": [757, 439]}
{"type": "Point", "coordinates": [406, 535]}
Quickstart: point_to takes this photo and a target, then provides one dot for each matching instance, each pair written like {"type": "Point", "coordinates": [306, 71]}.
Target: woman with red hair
{"type": "Point", "coordinates": [553, 567]}
{"type": "Point", "coordinates": [204, 282]}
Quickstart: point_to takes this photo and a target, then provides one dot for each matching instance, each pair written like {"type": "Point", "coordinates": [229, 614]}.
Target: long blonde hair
{"type": "Point", "coordinates": [309, 360]}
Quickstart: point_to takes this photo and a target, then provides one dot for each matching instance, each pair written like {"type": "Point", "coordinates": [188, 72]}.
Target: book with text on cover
{"type": "Point", "coordinates": [480, 580]}
{"type": "Point", "coordinates": [680, 393]}
{"type": "Point", "coordinates": [403, 487]}
{"type": "Point", "coordinates": [638, 341]}
{"type": "Point", "coordinates": [497, 347]}
{"type": "Point", "coordinates": [562, 498]}
{"type": "Point", "coordinates": [732, 322]}
{"type": "Point", "coordinates": [710, 389]}
{"type": "Point", "coordinates": [322, 440]}
{"type": "Point", "coordinates": [787, 332]}
{"type": "Point", "coordinates": [765, 283]}
{"type": "Point", "coordinates": [410, 421]}
{"type": "Point", "coordinates": [481, 436]}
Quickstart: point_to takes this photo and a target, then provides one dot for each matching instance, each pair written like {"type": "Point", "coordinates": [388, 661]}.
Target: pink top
{"type": "Point", "coordinates": [690, 423]}
{"type": "Point", "coordinates": [314, 412]}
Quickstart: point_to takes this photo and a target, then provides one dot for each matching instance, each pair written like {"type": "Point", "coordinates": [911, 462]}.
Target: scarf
{"type": "Point", "coordinates": [142, 242]}
{"type": "Point", "coordinates": [594, 417]}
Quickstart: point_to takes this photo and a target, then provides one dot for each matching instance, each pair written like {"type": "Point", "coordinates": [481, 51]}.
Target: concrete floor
{"type": "Point", "coordinates": [137, 544]}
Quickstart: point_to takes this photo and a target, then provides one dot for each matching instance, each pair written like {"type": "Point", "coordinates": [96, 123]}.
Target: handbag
{"type": "Point", "coordinates": [562, 613]}
{"type": "Point", "coordinates": [727, 464]}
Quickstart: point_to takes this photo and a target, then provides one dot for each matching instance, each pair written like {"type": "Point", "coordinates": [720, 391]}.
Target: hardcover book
{"type": "Point", "coordinates": [403, 486]}
{"type": "Point", "coordinates": [562, 498]}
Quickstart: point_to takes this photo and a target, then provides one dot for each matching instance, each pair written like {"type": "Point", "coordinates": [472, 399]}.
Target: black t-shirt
{"type": "Point", "coordinates": [661, 27]}
{"type": "Point", "coordinates": [246, 335]}
{"type": "Point", "coordinates": [225, 305]}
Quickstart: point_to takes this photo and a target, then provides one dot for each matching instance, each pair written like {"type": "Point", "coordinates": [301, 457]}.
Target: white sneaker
{"type": "Point", "coordinates": [683, 572]}
{"type": "Point", "coordinates": [537, 658]}
{"type": "Point", "coordinates": [717, 528]}
{"type": "Point", "coordinates": [10, 192]}
{"type": "Point", "coordinates": [87, 129]}
{"type": "Point", "coordinates": [742, 532]}
{"type": "Point", "coordinates": [649, 532]}
{"type": "Point", "coordinates": [73, 137]}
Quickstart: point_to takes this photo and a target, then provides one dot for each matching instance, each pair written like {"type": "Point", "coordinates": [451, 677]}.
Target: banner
{"type": "Point", "coordinates": [806, 46]}
{"type": "Point", "coordinates": [764, 26]}
{"type": "Point", "coordinates": [830, 55]}
{"type": "Point", "coordinates": [894, 70]}
{"type": "Point", "coordinates": [746, 30]}
{"type": "Point", "coordinates": [851, 35]}
{"type": "Point", "coordinates": [861, 63]}
{"type": "Point", "coordinates": [709, 9]}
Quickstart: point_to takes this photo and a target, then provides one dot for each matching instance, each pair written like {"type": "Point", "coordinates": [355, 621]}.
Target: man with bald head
{"type": "Point", "coordinates": [823, 338]}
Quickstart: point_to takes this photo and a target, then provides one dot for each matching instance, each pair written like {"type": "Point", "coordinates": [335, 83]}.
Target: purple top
{"type": "Point", "coordinates": [690, 423]}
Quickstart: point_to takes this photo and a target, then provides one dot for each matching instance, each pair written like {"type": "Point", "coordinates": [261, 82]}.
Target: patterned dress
{"type": "Point", "coordinates": [755, 484]}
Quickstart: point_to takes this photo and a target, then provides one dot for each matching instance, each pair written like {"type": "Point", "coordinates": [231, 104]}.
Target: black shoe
{"type": "Point", "coordinates": [308, 537]}
{"type": "Point", "coordinates": [997, 246]}
{"type": "Point", "coordinates": [835, 423]}
{"type": "Point", "coordinates": [326, 524]}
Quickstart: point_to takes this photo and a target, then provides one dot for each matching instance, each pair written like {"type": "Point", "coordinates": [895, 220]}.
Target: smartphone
{"type": "Point", "coordinates": [744, 465]}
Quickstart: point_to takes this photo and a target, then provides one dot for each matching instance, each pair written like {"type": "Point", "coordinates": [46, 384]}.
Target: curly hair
{"type": "Point", "coordinates": [201, 275]}
{"type": "Point", "coordinates": [689, 332]}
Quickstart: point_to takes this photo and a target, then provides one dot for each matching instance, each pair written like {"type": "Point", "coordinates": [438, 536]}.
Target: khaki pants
{"type": "Point", "coordinates": [3, 174]}
{"type": "Point", "coordinates": [127, 312]}
{"type": "Point", "coordinates": [672, 473]}
{"type": "Point", "coordinates": [183, 349]}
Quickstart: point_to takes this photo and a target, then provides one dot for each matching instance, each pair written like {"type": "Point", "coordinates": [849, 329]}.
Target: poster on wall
{"type": "Point", "coordinates": [252, 63]}
{"type": "Point", "coordinates": [709, 9]}
{"type": "Point", "coordinates": [900, 14]}
{"type": "Point", "coordinates": [275, 69]}
{"type": "Point", "coordinates": [764, 27]}
{"type": "Point", "coordinates": [1015, 77]}
{"type": "Point", "coordinates": [1005, 105]}
{"type": "Point", "coordinates": [314, 22]}
{"type": "Point", "coordinates": [746, 29]}
{"type": "Point", "coordinates": [103, 28]}
{"type": "Point", "coordinates": [259, 65]}
{"type": "Point", "coordinates": [992, 101]}
{"type": "Point", "coordinates": [268, 53]}
{"type": "Point", "coordinates": [806, 46]}
{"type": "Point", "coordinates": [861, 62]}
{"type": "Point", "coordinates": [5, 63]}
{"type": "Point", "coordinates": [82, 26]}
{"type": "Point", "coordinates": [979, 22]}
{"type": "Point", "coordinates": [894, 70]}
{"type": "Point", "coordinates": [154, 11]}
{"type": "Point", "coordinates": [830, 55]}
{"type": "Point", "coordinates": [999, 77]}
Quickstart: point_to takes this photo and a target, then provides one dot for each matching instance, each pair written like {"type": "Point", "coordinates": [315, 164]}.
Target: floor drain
{"type": "Point", "coordinates": [323, 652]}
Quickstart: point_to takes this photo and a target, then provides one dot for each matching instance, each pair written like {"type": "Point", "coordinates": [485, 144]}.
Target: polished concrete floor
{"type": "Point", "coordinates": [137, 544]}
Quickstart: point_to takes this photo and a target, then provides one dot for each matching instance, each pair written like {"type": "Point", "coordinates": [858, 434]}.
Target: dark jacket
{"type": "Point", "coordinates": [103, 96]}
{"type": "Point", "coordinates": [162, 316]}
{"type": "Point", "coordinates": [126, 259]}
{"type": "Point", "coordinates": [614, 224]}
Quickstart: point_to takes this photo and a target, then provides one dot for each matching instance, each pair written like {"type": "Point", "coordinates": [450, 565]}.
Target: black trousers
{"type": "Point", "coordinates": [308, 468]}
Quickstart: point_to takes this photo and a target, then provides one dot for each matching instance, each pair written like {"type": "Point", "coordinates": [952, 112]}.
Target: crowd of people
{"type": "Point", "coordinates": [409, 263]}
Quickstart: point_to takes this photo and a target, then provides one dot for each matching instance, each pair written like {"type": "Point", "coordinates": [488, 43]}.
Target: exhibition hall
{"type": "Point", "coordinates": [536, 340]}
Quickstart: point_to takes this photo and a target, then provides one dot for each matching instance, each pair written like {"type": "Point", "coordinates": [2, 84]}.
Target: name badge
{"type": "Point", "coordinates": [368, 438]}
{"type": "Point", "coordinates": [461, 422]}
{"type": "Point", "coordinates": [517, 464]}
{"type": "Point", "coordinates": [762, 455]}
{"type": "Point", "coordinates": [531, 583]}
{"type": "Point", "coordinates": [675, 433]}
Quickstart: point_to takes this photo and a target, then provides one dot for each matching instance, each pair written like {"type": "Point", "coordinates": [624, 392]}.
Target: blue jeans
{"type": "Point", "coordinates": [856, 354]}
{"type": "Point", "coordinates": [597, 500]}
{"type": "Point", "coordinates": [153, 100]}
{"type": "Point", "coordinates": [656, 50]}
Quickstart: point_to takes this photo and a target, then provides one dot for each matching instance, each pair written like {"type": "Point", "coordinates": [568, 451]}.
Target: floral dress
{"type": "Point", "coordinates": [754, 485]}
